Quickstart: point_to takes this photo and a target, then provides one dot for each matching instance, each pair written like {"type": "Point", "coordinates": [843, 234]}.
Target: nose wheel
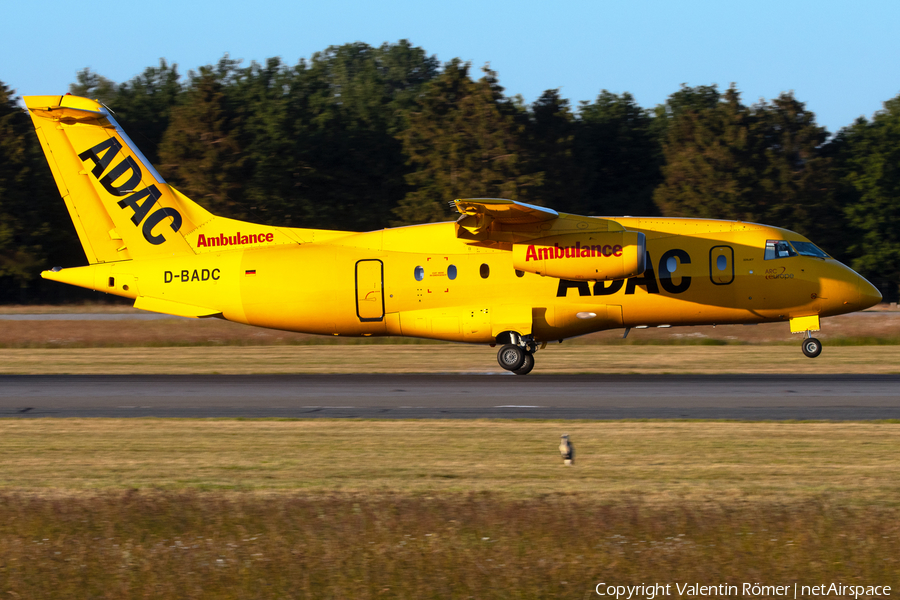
{"type": "Point", "coordinates": [812, 347]}
{"type": "Point", "coordinates": [806, 325]}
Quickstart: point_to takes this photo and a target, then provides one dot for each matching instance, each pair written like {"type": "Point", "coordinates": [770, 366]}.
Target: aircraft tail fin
{"type": "Point", "coordinates": [121, 207]}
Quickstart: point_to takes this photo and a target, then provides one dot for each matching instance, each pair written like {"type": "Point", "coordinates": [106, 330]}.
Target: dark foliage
{"type": "Point", "coordinates": [359, 138]}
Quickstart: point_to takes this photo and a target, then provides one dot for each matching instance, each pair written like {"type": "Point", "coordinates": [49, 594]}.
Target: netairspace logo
{"type": "Point", "coordinates": [653, 590]}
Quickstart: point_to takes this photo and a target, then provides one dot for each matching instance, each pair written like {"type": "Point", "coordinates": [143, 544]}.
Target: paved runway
{"type": "Point", "coordinates": [754, 397]}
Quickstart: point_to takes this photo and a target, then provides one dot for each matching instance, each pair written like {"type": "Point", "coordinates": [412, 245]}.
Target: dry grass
{"type": "Point", "coordinates": [145, 508]}
{"type": "Point", "coordinates": [446, 358]}
{"type": "Point", "coordinates": [661, 461]}
{"type": "Point", "coordinates": [114, 306]}
{"type": "Point", "coordinates": [215, 346]}
{"type": "Point", "coordinates": [210, 545]}
{"type": "Point", "coordinates": [869, 328]}
{"type": "Point", "coordinates": [325, 509]}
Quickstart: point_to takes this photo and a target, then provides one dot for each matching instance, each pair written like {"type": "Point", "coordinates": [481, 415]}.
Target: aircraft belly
{"type": "Point", "coordinates": [455, 324]}
{"type": "Point", "coordinates": [558, 321]}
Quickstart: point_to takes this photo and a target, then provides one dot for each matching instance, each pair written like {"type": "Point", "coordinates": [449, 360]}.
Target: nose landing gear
{"type": "Point", "coordinates": [811, 347]}
{"type": "Point", "coordinates": [517, 356]}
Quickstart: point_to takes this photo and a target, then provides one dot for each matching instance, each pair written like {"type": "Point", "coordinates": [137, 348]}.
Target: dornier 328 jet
{"type": "Point", "coordinates": [505, 273]}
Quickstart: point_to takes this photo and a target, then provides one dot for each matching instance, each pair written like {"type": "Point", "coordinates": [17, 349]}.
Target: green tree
{"type": "Point", "coordinates": [464, 140]}
{"type": "Point", "coordinates": [696, 99]}
{"type": "Point", "coordinates": [313, 145]}
{"type": "Point", "coordinates": [867, 155]}
{"type": "Point", "coordinates": [201, 151]}
{"type": "Point", "coordinates": [142, 105]}
{"type": "Point", "coordinates": [94, 86]}
{"type": "Point", "coordinates": [619, 152]}
{"type": "Point", "coordinates": [552, 146]}
{"type": "Point", "coordinates": [757, 163]}
{"type": "Point", "coordinates": [347, 111]}
{"type": "Point", "coordinates": [34, 225]}
{"type": "Point", "coordinates": [797, 179]}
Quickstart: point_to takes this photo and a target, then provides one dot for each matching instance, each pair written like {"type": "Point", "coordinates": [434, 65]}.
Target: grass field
{"type": "Point", "coordinates": [658, 461]}
{"type": "Point", "coordinates": [434, 509]}
{"type": "Point", "coordinates": [156, 508]}
{"type": "Point", "coordinates": [446, 358]}
{"type": "Point", "coordinates": [857, 343]}
{"type": "Point", "coordinates": [162, 545]}
{"type": "Point", "coordinates": [867, 328]}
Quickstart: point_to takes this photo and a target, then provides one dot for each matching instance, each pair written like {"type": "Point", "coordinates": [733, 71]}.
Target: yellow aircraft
{"type": "Point", "coordinates": [505, 273]}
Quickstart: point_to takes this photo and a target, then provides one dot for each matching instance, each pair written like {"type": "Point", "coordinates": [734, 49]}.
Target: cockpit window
{"type": "Point", "coordinates": [808, 249]}
{"type": "Point", "coordinates": [778, 249]}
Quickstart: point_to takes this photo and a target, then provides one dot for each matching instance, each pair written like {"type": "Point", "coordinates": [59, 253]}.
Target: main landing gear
{"type": "Point", "coordinates": [517, 355]}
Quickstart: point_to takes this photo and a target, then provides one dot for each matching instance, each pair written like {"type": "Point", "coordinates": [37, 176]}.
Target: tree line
{"type": "Point", "coordinates": [361, 137]}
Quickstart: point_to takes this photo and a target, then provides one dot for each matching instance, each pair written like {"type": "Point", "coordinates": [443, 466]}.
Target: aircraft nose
{"type": "Point", "coordinates": [868, 294]}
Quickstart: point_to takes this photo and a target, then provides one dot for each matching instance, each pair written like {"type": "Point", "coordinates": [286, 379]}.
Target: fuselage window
{"type": "Point", "coordinates": [808, 249]}
{"type": "Point", "coordinates": [671, 264]}
{"type": "Point", "coordinates": [419, 273]}
{"type": "Point", "coordinates": [778, 249]}
{"type": "Point", "coordinates": [485, 271]}
{"type": "Point", "coordinates": [721, 262]}
{"type": "Point", "coordinates": [451, 271]}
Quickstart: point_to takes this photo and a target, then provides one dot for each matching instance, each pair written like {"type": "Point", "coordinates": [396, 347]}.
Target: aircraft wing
{"type": "Point", "coordinates": [505, 211]}
{"type": "Point", "coordinates": [506, 221]}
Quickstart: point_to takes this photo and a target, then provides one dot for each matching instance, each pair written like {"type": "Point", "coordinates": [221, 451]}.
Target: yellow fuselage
{"type": "Point", "coordinates": [505, 272]}
{"type": "Point", "coordinates": [366, 284]}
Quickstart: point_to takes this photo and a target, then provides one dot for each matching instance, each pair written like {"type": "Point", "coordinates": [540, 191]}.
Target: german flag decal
{"type": "Point", "coordinates": [249, 272]}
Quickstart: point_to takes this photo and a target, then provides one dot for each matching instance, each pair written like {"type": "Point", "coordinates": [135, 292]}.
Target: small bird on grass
{"type": "Point", "coordinates": [567, 450]}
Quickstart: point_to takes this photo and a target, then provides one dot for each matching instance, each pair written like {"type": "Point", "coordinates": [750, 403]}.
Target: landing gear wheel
{"type": "Point", "coordinates": [511, 357]}
{"type": "Point", "coordinates": [527, 365]}
{"type": "Point", "coordinates": [812, 347]}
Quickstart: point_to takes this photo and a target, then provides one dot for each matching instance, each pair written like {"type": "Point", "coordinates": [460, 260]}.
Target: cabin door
{"type": "Point", "coordinates": [370, 290]}
{"type": "Point", "coordinates": [721, 265]}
